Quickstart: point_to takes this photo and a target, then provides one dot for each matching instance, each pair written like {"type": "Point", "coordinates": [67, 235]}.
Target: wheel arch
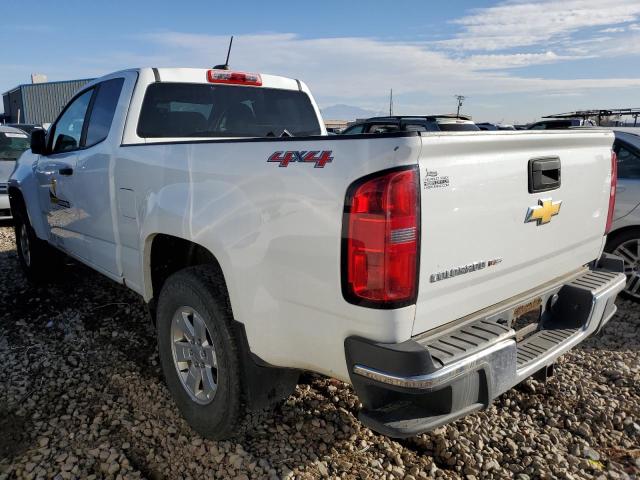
{"type": "Point", "coordinates": [614, 235]}
{"type": "Point", "coordinates": [165, 254]}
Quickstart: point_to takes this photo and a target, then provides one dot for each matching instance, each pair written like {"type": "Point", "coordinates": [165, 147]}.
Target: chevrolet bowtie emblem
{"type": "Point", "coordinates": [543, 212]}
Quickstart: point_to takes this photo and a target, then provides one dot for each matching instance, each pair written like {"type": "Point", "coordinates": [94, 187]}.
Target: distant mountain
{"type": "Point", "coordinates": [347, 112]}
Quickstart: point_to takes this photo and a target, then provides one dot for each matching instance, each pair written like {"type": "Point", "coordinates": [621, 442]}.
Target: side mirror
{"type": "Point", "coordinates": [39, 142]}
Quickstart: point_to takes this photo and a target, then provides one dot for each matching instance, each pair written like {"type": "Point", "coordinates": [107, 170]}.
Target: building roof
{"type": "Point", "coordinates": [26, 85]}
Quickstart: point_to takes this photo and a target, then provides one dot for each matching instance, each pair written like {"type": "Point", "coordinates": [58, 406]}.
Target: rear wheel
{"type": "Point", "coordinates": [199, 352]}
{"type": "Point", "coordinates": [38, 259]}
{"type": "Point", "coordinates": [627, 246]}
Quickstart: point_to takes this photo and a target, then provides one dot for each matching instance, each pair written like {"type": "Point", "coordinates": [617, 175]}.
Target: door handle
{"type": "Point", "coordinates": [66, 171]}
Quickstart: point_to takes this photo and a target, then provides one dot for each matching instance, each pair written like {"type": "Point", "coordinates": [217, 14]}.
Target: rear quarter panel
{"type": "Point", "coordinates": [275, 231]}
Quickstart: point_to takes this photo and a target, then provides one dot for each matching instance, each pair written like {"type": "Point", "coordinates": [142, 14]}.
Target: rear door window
{"type": "Point", "coordinates": [102, 111]}
{"type": "Point", "coordinates": [174, 110]}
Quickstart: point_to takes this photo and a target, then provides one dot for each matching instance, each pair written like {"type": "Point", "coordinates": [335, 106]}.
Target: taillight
{"type": "Point", "coordinates": [612, 192]}
{"type": "Point", "coordinates": [235, 78]}
{"type": "Point", "coordinates": [381, 239]}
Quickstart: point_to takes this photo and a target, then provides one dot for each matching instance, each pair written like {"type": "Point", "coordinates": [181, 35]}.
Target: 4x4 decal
{"type": "Point", "coordinates": [320, 158]}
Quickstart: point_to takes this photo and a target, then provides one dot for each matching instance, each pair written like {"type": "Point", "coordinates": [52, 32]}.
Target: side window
{"type": "Point", "coordinates": [628, 163]}
{"type": "Point", "coordinates": [384, 128]}
{"type": "Point", "coordinates": [539, 126]}
{"type": "Point", "coordinates": [354, 130]}
{"type": "Point", "coordinates": [102, 111]}
{"type": "Point", "coordinates": [67, 131]}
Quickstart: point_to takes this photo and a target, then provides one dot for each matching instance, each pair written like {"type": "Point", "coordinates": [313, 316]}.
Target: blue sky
{"type": "Point", "coordinates": [514, 60]}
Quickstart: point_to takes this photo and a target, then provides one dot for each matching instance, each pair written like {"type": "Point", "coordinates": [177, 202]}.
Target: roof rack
{"type": "Point", "coordinates": [421, 117]}
{"type": "Point", "coordinates": [599, 113]}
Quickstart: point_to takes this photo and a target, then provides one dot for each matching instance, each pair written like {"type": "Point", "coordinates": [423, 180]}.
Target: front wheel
{"type": "Point", "coordinates": [199, 352]}
{"type": "Point", "coordinates": [627, 246]}
{"type": "Point", "coordinates": [37, 258]}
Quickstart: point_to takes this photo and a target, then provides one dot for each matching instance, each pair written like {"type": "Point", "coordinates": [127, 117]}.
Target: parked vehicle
{"type": "Point", "coordinates": [435, 123]}
{"type": "Point", "coordinates": [560, 123]}
{"type": "Point", "coordinates": [28, 128]}
{"type": "Point", "coordinates": [431, 270]}
{"type": "Point", "coordinates": [12, 143]}
{"type": "Point", "coordinates": [494, 126]}
{"type": "Point", "coordinates": [624, 239]}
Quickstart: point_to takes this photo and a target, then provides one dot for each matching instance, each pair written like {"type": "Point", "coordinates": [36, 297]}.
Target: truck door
{"type": "Point", "coordinates": [57, 183]}
{"type": "Point", "coordinates": [94, 177]}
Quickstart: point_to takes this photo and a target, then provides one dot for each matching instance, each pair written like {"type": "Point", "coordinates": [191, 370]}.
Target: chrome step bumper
{"type": "Point", "coordinates": [473, 363]}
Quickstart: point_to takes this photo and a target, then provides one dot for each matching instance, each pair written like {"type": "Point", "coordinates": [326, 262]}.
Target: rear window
{"type": "Point", "coordinates": [458, 127]}
{"type": "Point", "coordinates": [12, 145]}
{"type": "Point", "coordinates": [200, 110]}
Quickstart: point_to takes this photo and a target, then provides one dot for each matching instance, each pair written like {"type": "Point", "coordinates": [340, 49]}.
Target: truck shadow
{"type": "Point", "coordinates": [622, 333]}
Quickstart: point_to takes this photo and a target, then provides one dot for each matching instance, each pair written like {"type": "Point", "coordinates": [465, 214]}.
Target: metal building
{"type": "Point", "coordinates": [39, 102]}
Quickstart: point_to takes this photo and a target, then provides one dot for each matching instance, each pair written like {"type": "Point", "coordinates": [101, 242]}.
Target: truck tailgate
{"type": "Point", "coordinates": [477, 248]}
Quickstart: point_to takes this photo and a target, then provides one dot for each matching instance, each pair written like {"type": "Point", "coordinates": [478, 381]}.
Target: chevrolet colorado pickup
{"type": "Point", "coordinates": [431, 270]}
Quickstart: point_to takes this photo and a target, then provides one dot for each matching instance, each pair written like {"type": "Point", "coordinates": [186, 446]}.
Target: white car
{"type": "Point", "coordinates": [431, 270]}
{"type": "Point", "coordinates": [12, 143]}
{"type": "Point", "coordinates": [624, 239]}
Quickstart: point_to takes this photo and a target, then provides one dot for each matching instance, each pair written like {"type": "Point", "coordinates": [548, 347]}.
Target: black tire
{"type": "Point", "coordinates": [39, 260]}
{"type": "Point", "coordinates": [202, 289]}
{"type": "Point", "coordinates": [615, 244]}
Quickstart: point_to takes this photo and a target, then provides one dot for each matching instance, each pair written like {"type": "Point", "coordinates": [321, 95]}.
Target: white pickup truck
{"type": "Point", "coordinates": [431, 270]}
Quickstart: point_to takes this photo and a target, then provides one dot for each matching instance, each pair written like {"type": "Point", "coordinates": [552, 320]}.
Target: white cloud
{"type": "Point", "coordinates": [519, 24]}
{"type": "Point", "coordinates": [359, 68]}
{"type": "Point", "coordinates": [486, 56]}
{"type": "Point", "coordinates": [514, 60]}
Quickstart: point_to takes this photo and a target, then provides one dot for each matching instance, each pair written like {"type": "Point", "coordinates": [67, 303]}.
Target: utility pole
{"type": "Point", "coordinates": [391, 103]}
{"type": "Point", "coordinates": [460, 99]}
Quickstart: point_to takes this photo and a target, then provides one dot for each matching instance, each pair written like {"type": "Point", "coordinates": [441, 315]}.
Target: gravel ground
{"type": "Point", "coordinates": [82, 396]}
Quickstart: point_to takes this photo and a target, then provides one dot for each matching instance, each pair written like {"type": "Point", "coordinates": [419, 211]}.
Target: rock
{"type": "Point", "coordinates": [590, 454]}
{"type": "Point", "coordinates": [322, 468]}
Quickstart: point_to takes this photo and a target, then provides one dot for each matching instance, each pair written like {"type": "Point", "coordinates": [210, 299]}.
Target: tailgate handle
{"type": "Point", "coordinates": [544, 174]}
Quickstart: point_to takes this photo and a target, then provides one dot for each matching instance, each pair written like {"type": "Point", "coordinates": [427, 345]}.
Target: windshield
{"type": "Point", "coordinates": [458, 127]}
{"type": "Point", "coordinates": [12, 145]}
{"type": "Point", "coordinates": [201, 110]}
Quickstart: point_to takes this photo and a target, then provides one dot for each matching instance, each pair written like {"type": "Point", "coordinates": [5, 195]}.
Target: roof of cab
{"type": "Point", "coordinates": [199, 75]}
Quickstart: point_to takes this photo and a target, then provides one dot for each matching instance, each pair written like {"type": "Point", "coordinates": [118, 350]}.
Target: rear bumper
{"type": "Point", "coordinates": [434, 378]}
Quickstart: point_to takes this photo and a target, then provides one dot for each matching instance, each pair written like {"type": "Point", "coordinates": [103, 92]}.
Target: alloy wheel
{"type": "Point", "coordinates": [630, 251]}
{"type": "Point", "coordinates": [194, 355]}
